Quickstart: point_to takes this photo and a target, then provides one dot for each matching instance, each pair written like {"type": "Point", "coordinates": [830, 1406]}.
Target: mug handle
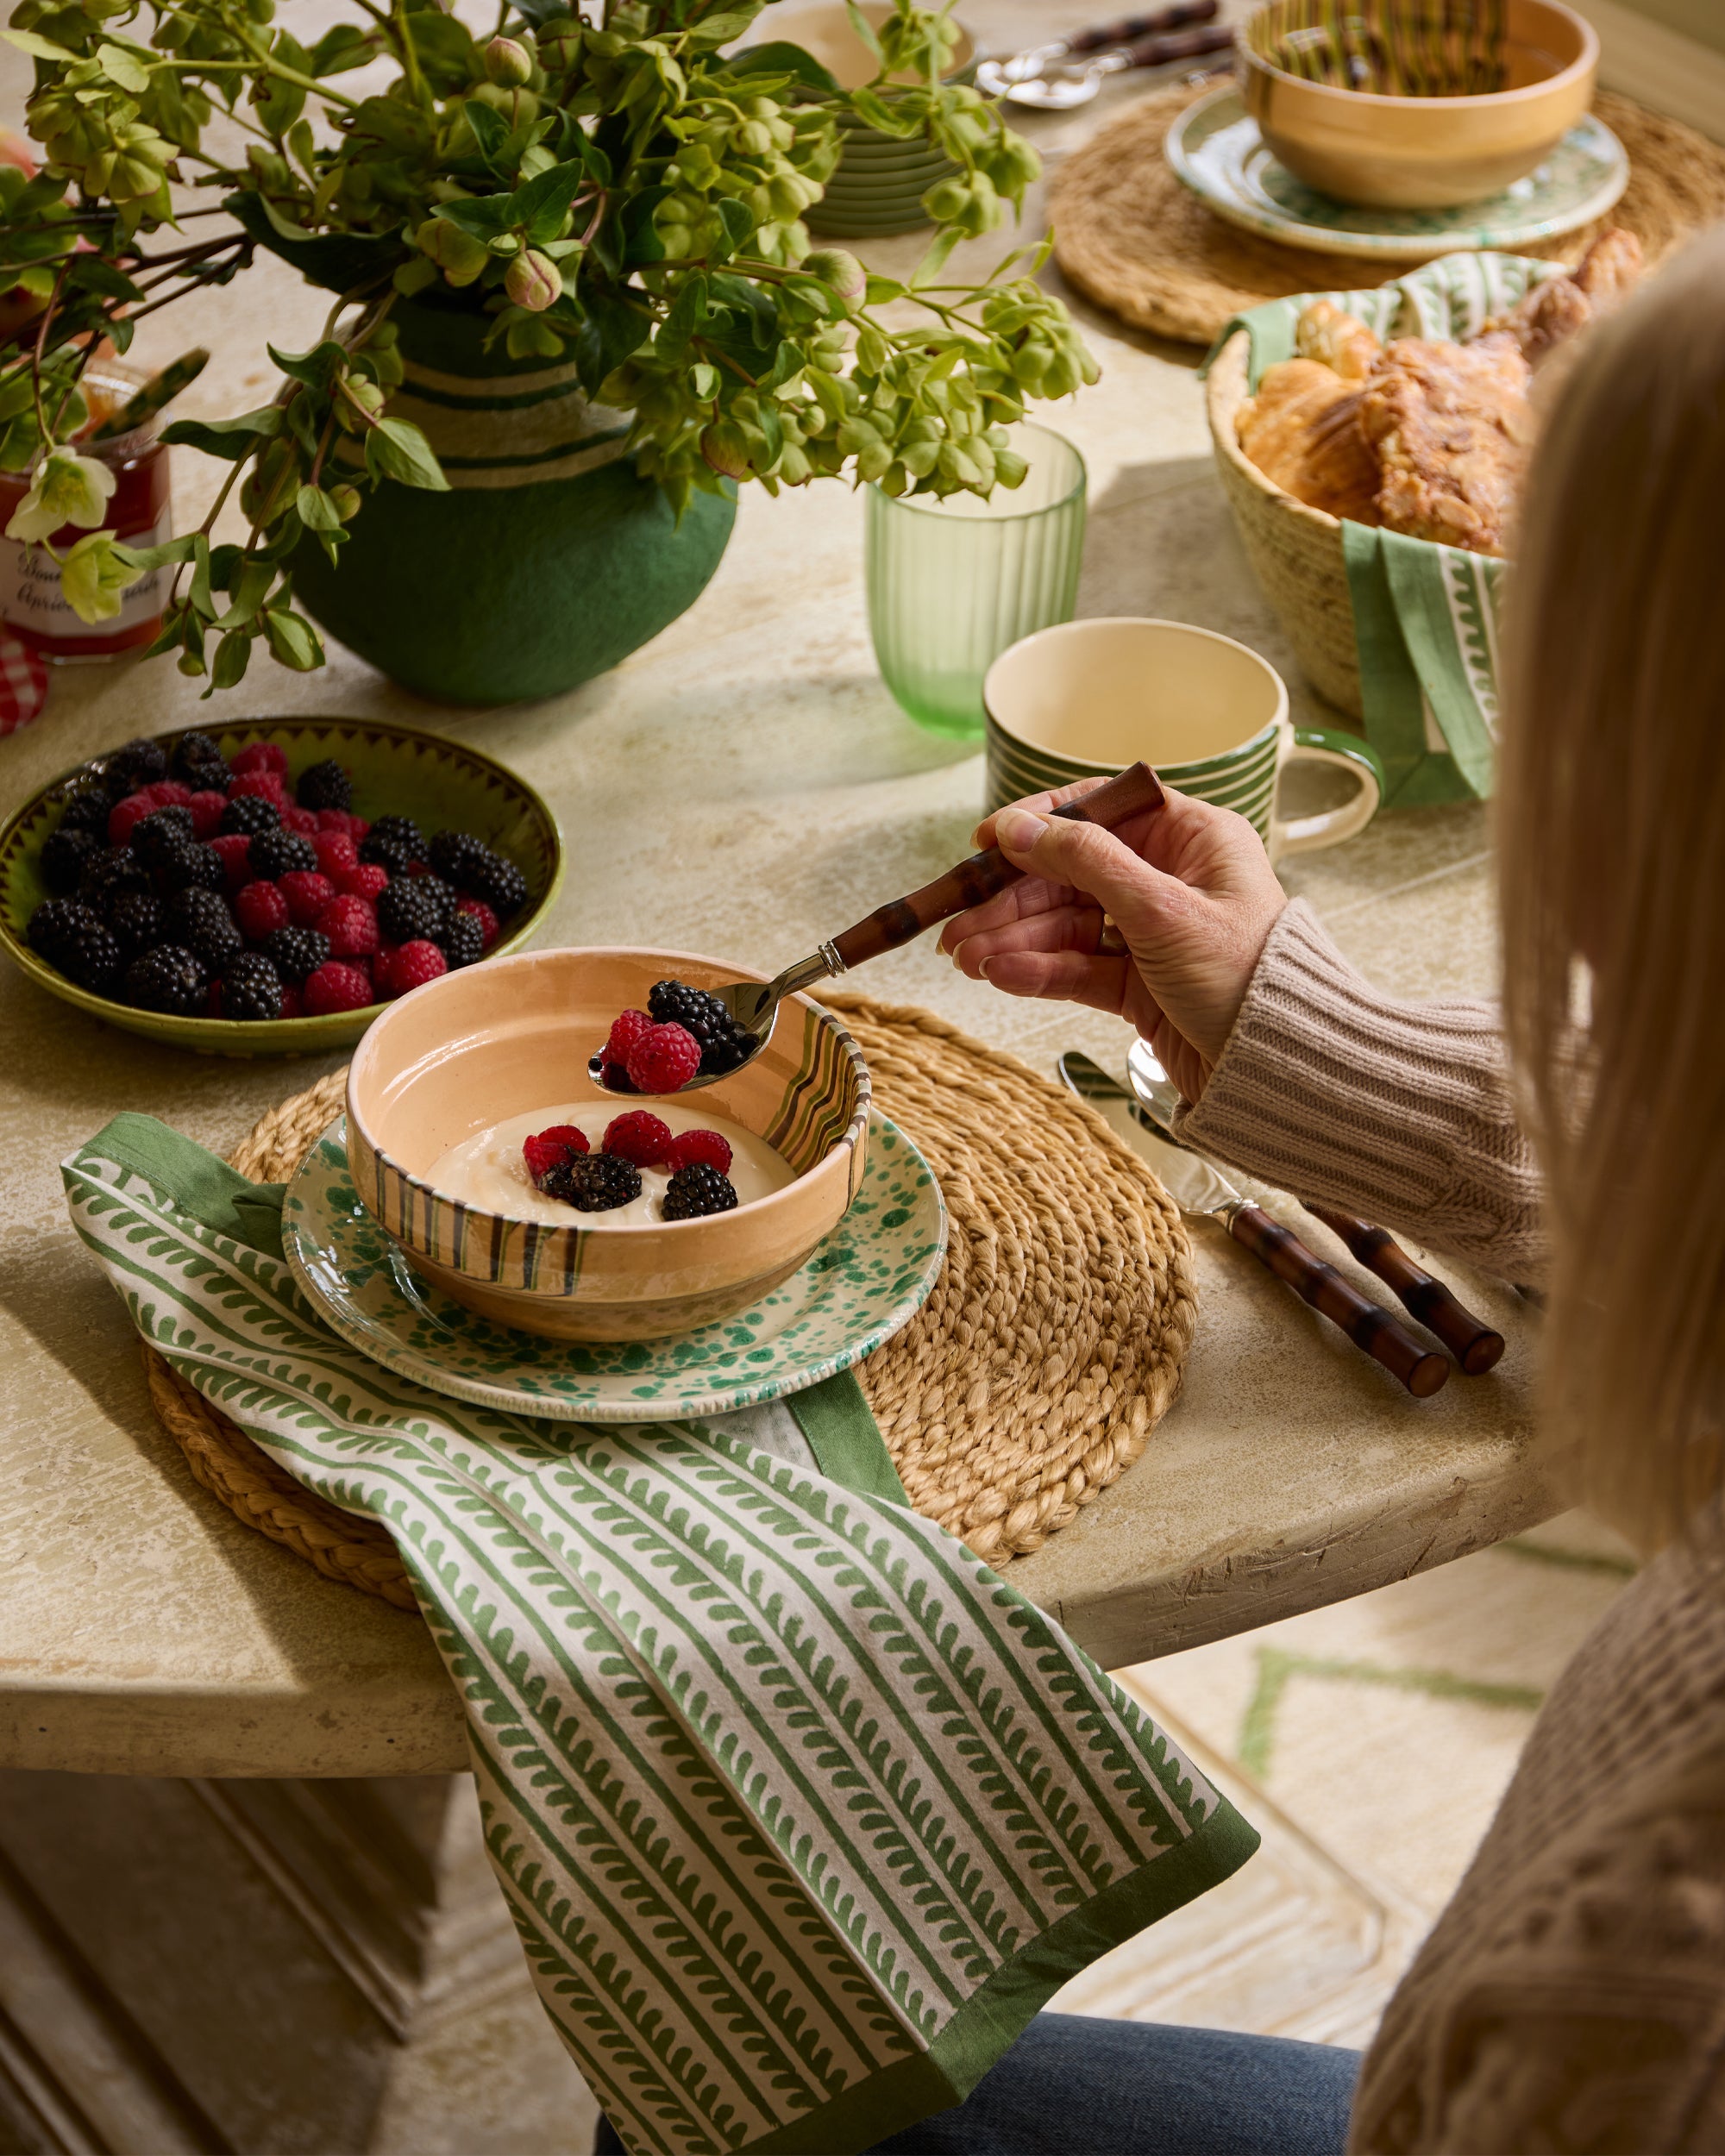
{"type": "Point", "coordinates": [1320, 744]}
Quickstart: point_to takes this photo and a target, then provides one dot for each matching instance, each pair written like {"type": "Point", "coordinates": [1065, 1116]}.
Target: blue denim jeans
{"type": "Point", "coordinates": [1074, 2086]}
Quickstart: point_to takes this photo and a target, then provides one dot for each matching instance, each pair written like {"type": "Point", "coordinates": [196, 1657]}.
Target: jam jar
{"type": "Point", "coordinates": [139, 512]}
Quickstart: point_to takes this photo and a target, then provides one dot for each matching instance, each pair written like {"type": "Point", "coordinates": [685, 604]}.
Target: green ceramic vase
{"type": "Point", "coordinates": [549, 559]}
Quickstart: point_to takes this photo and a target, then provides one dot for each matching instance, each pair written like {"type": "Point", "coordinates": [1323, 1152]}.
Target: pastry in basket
{"type": "Point", "coordinates": [1426, 437]}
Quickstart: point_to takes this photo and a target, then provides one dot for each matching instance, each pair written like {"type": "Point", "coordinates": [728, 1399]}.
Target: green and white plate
{"type": "Point", "coordinates": [1214, 149]}
{"type": "Point", "coordinates": [868, 1279]}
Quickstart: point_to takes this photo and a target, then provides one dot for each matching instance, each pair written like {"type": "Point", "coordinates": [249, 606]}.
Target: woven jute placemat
{"type": "Point", "coordinates": [1133, 240]}
{"type": "Point", "coordinates": [1030, 1379]}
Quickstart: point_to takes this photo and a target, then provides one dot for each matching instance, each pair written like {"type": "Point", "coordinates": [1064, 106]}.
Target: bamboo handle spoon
{"type": "Point", "coordinates": [754, 1005]}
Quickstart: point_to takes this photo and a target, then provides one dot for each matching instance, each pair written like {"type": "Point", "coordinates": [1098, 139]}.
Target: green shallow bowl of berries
{"type": "Point", "coordinates": [441, 786]}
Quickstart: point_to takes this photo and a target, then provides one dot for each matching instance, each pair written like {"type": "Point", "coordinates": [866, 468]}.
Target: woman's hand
{"type": "Point", "coordinates": [1191, 898]}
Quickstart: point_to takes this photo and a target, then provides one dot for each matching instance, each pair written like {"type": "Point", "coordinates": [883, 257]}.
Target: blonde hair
{"type": "Point", "coordinates": [1611, 847]}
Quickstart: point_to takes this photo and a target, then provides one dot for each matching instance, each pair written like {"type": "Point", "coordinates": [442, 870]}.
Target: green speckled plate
{"type": "Point", "coordinates": [1215, 149]}
{"type": "Point", "coordinates": [442, 784]}
{"type": "Point", "coordinates": [870, 1277]}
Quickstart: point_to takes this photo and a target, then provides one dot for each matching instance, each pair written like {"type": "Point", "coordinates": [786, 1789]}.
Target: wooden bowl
{"type": "Point", "coordinates": [1430, 152]}
{"type": "Point", "coordinates": [507, 1038]}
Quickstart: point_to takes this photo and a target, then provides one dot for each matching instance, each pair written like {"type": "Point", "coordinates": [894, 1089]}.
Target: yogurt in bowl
{"type": "Point", "coordinates": [446, 1071]}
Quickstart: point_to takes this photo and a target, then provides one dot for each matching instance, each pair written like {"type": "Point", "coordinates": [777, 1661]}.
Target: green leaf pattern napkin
{"type": "Point", "coordinates": [800, 1811]}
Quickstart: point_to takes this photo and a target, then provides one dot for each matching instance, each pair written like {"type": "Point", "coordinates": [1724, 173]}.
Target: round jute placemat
{"type": "Point", "coordinates": [1030, 1379]}
{"type": "Point", "coordinates": [1133, 240]}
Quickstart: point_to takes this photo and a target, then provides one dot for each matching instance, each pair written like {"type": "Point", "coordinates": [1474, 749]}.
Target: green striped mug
{"type": "Point", "coordinates": [1085, 699]}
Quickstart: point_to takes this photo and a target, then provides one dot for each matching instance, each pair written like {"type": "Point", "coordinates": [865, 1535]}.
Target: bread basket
{"type": "Point", "coordinates": [1296, 552]}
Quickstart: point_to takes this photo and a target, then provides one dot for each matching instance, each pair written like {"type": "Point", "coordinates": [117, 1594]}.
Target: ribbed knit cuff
{"type": "Point", "coordinates": [1399, 1111]}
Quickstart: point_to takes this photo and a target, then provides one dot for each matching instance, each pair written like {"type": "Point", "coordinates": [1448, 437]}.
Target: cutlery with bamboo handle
{"type": "Point", "coordinates": [1475, 1344]}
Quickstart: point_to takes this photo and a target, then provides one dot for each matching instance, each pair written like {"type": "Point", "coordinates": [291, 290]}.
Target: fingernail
{"type": "Point", "coordinates": [1018, 830]}
{"type": "Point", "coordinates": [983, 968]}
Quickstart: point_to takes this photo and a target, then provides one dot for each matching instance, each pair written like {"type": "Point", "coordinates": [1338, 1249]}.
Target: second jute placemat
{"type": "Point", "coordinates": [1133, 240]}
{"type": "Point", "coordinates": [1030, 1379]}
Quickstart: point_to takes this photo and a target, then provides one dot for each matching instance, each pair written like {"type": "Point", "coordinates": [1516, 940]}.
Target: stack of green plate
{"type": "Point", "coordinates": [879, 185]}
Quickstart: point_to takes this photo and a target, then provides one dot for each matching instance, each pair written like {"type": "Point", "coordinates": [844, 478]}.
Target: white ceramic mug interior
{"type": "Point", "coordinates": [1085, 698]}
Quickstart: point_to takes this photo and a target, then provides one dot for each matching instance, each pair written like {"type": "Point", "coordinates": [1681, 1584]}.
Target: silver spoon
{"type": "Point", "coordinates": [1055, 87]}
{"type": "Point", "coordinates": [754, 1005]}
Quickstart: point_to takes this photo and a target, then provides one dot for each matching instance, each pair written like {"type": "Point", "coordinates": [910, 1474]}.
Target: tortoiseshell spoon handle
{"type": "Point", "coordinates": [1473, 1343]}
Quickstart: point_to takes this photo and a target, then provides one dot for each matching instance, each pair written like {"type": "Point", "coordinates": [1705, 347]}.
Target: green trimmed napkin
{"type": "Point", "coordinates": [800, 1811]}
{"type": "Point", "coordinates": [1425, 614]}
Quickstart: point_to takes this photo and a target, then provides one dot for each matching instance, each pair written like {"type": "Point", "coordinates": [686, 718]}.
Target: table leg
{"type": "Point", "coordinates": [264, 1966]}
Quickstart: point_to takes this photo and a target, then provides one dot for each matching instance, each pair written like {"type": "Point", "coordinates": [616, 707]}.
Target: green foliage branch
{"type": "Point", "coordinates": [622, 195]}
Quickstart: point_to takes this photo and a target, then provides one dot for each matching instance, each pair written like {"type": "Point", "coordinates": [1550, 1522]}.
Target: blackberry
{"type": "Point", "coordinates": [463, 942]}
{"type": "Point", "coordinates": [415, 906]}
{"type": "Point", "coordinates": [272, 853]}
{"type": "Point", "coordinates": [697, 1190]}
{"type": "Point", "coordinates": [169, 979]}
{"type": "Point", "coordinates": [200, 763]}
{"type": "Point", "coordinates": [247, 814]}
{"type": "Point", "coordinates": [251, 987]}
{"type": "Point", "coordinates": [155, 835]}
{"type": "Point", "coordinates": [107, 875]}
{"type": "Point", "coordinates": [593, 1183]}
{"type": "Point", "coordinates": [501, 884]}
{"type": "Point", "coordinates": [722, 1042]}
{"type": "Point", "coordinates": [200, 921]}
{"type": "Point", "coordinates": [55, 920]}
{"type": "Point", "coordinates": [63, 857]}
{"type": "Point", "coordinates": [86, 810]}
{"type": "Point", "coordinates": [192, 868]}
{"type": "Point", "coordinates": [295, 952]}
{"type": "Point", "coordinates": [394, 843]}
{"type": "Point", "coordinates": [89, 955]}
{"type": "Point", "coordinates": [324, 786]}
{"type": "Point", "coordinates": [456, 855]}
{"type": "Point", "coordinates": [137, 922]}
{"type": "Point", "coordinates": [140, 762]}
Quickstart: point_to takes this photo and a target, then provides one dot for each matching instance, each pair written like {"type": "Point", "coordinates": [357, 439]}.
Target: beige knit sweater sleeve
{"type": "Point", "coordinates": [1399, 1111]}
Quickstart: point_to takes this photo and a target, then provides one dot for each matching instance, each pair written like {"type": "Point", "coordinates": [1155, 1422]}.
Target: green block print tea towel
{"type": "Point", "coordinates": [800, 1811]}
{"type": "Point", "coordinates": [1425, 614]}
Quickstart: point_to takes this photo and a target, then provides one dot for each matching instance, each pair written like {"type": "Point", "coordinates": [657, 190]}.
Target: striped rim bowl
{"type": "Point", "coordinates": [476, 1048]}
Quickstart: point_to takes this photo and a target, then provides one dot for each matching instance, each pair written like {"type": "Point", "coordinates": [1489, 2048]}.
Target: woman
{"type": "Point", "coordinates": [1572, 1995]}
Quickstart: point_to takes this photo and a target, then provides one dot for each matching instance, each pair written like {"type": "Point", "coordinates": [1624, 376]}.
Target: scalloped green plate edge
{"type": "Point", "coordinates": [339, 1255]}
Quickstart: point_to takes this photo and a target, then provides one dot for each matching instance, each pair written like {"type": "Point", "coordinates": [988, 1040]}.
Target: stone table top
{"type": "Point", "coordinates": [745, 786]}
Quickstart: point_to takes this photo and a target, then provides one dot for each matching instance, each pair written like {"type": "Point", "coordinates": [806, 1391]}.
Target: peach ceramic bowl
{"type": "Point", "coordinates": [499, 1040]}
{"type": "Point", "coordinates": [1430, 152]}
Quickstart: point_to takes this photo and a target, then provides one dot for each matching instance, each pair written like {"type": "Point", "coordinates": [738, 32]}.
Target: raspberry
{"type": "Point", "coordinates": [549, 1149]}
{"type": "Point", "coordinates": [266, 784]}
{"type": "Point", "coordinates": [212, 1001]}
{"type": "Point", "coordinates": [365, 881]}
{"type": "Point", "coordinates": [638, 1137]}
{"type": "Point", "coordinates": [260, 907]}
{"type": "Point", "coordinates": [333, 987]}
{"type": "Point", "coordinates": [307, 894]}
{"type": "Point", "coordinates": [293, 1002]}
{"type": "Point", "coordinates": [342, 820]}
{"type": "Point", "coordinates": [663, 1059]}
{"type": "Point", "coordinates": [259, 755]}
{"type": "Point", "coordinates": [232, 849]}
{"type": "Point", "coordinates": [625, 1030]}
{"type": "Point", "coordinates": [335, 850]}
{"type": "Point", "coordinates": [324, 786]}
{"type": "Point", "coordinates": [706, 1148]}
{"type": "Point", "coordinates": [411, 967]}
{"type": "Point", "coordinates": [208, 808]}
{"type": "Point", "coordinates": [489, 927]}
{"type": "Point", "coordinates": [301, 820]}
{"type": "Point", "coordinates": [615, 1079]}
{"type": "Point", "coordinates": [695, 1191]}
{"type": "Point", "coordinates": [349, 924]}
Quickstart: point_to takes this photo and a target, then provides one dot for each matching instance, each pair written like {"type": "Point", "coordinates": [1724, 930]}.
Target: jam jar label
{"type": "Point", "coordinates": [30, 595]}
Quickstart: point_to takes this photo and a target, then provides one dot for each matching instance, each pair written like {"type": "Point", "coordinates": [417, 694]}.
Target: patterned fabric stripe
{"type": "Point", "coordinates": [800, 1810]}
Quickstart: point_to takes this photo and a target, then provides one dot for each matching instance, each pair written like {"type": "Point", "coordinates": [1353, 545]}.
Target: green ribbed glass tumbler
{"type": "Point", "coordinates": [953, 582]}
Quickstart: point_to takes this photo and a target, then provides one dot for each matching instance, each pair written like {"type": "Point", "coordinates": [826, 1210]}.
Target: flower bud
{"type": "Point", "coordinates": [725, 448]}
{"type": "Point", "coordinates": [345, 502]}
{"type": "Point", "coordinates": [457, 253]}
{"type": "Point", "coordinates": [560, 42]}
{"type": "Point", "coordinates": [534, 281]}
{"type": "Point", "coordinates": [843, 271]}
{"type": "Point", "coordinates": [507, 63]}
